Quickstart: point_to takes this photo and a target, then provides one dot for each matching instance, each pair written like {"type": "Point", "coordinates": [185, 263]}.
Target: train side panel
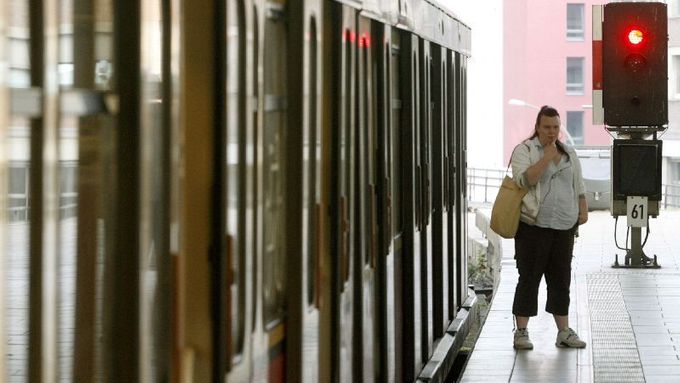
{"type": "Point", "coordinates": [413, 217]}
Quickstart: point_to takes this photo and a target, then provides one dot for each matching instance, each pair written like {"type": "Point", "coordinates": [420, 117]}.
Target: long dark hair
{"type": "Point", "coordinates": [548, 111]}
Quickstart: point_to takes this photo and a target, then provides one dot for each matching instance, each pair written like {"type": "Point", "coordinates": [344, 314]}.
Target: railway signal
{"type": "Point", "coordinates": [634, 64]}
{"type": "Point", "coordinates": [630, 96]}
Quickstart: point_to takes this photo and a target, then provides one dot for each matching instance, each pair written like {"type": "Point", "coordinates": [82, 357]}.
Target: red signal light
{"type": "Point", "coordinates": [635, 36]}
{"type": "Point", "coordinates": [635, 63]}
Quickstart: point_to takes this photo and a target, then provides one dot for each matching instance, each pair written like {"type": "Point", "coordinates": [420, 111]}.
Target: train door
{"type": "Point", "coordinates": [462, 142]}
{"type": "Point", "coordinates": [382, 50]}
{"type": "Point", "coordinates": [236, 282]}
{"type": "Point", "coordinates": [439, 223]}
{"type": "Point", "coordinates": [305, 218]}
{"type": "Point", "coordinates": [314, 219]}
{"type": "Point", "coordinates": [90, 235]}
{"type": "Point", "coordinates": [451, 181]}
{"type": "Point", "coordinates": [412, 213]}
{"type": "Point", "coordinates": [271, 158]}
{"type": "Point", "coordinates": [367, 319]}
{"type": "Point", "coordinates": [425, 207]}
{"type": "Point", "coordinates": [461, 210]}
{"type": "Point", "coordinates": [394, 197]}
{"type": "Point", "coordinates": [341, 118]}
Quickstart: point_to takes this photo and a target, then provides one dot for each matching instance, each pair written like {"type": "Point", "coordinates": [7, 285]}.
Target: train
{"type": "Point", "coordinates": [237, 191]}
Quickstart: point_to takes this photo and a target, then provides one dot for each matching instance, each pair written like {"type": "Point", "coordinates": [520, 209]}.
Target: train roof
{"type": "Point", "coordinates": [425, 18]}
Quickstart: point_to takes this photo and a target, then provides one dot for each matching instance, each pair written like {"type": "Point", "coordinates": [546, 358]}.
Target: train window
{"type": "Point", "coordinates": [364, 206]}
{"type": "Point", "coordinates": [250, 157]}
{"type": "Point", "coordinates": [461, 275]}
{"type": "Point", "coordinates": [14, 57]}
{"type": "Point", "coordinates": [452, 124]}
{"type": "Point", "coordinates": [313, 154]}
{"type": "Point", "coordinates": [236, 174]}
{"type": "Point", "coordinates": [444, 136]}
{"type": "Point", "coordinates": [369, 212]}
{"type": "Point", "coordinates": [427, 135]}
{"type": "Point", "coordinates": [451, 180]}
{"type": "Point", "coordinates": [83, 188]}
{"type": "Point", "coordinates": [386, 127]}
{"type": "Point", "coordinates": [155, 144]}
{"type": "Point", "coordinates": [274, 127]}
{"type": "Point", "coordinates": [345, 156]}
{"type": "Point", "coordinates": [415, 98]}
{"type": "Point", "coordinates": [395, 123]}
{"type": "Point", "coordinates": [375, 92]}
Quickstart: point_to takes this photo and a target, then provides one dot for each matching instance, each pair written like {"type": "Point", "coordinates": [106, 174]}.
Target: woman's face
{"type": "Point", "coordinates": [548, 129]}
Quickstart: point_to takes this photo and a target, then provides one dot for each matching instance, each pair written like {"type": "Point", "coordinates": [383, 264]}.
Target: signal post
{"type": "Point", "coordinates": [630, 97]}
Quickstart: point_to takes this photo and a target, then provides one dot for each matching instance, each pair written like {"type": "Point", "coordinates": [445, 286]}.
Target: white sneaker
{"type": "Point", "coordinates": [569, 338]}
{"type": "Point", "coordinates": [522, 341]}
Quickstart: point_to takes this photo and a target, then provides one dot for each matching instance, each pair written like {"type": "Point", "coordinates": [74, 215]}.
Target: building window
{"type": "Point", "coordinates": [575, 126]}
{"type": "Point", "coordinates": [673, 171]}
{"type": "Point", "coordinates": [68, 193]}
{"type": "Point", "coordinates": [18, 192]}
{"type": "Point", "coordinates": [19, 63]}
{"type": "Point", "coordinates": [673, 8]}
{"type": "Point", "coordinates": [575, 22]}
{"type": "Point", "coordinates": [574, 75]}
{"type": "Point", "coordinates": [675, 76]}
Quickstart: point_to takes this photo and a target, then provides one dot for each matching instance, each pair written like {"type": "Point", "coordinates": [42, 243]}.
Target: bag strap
{"type": "Point", "coordinates": [513, 153]}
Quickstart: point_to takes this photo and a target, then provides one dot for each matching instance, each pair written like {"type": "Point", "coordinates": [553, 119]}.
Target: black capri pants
{"type": "Point", "coordinates": [540, 251]}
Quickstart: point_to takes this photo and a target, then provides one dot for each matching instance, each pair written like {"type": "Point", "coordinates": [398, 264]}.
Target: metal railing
{"type": "Point", "coordinates": [483, 184]}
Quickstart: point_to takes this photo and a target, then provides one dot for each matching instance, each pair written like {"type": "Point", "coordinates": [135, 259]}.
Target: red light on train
{"type": "Point", "coordinates": [635, 36]}
{"type": "Point", "coordinates": [365, 41]}
{"type": "Point", "coordinates": [348, 35]}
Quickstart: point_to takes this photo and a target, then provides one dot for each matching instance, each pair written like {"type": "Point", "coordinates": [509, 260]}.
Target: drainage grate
{"type": "Point", "coordinates": [615, 353]}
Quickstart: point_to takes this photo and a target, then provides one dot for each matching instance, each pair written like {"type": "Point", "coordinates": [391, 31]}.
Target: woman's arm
{"type": "Point", "coordinates": [533, 173]}
{"type": "Point", "coordinates": [520, 160]}
{"type": "Point", "coordinates": [580, 187]}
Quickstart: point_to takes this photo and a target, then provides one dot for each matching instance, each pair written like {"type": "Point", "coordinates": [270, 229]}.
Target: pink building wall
{"type": "Point", "coordinates": [535, 68]}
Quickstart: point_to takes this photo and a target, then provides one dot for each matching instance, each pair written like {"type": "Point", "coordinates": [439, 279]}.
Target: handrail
{"type": "Point", "coordinates": [482, 187]}
{"type": "Point", "coordinates": [483, 184]}
{"type": "Point", "coordinates": [670, 195]}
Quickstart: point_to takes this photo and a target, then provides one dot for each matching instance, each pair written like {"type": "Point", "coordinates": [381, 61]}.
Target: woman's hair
{"type": "Point", "coordinates": [548, 111]}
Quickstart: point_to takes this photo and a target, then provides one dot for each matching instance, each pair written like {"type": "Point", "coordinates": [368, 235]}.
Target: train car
{"type": "Point", "coordinates": [234, 191]}
{"type": "Point", "coordinates": [357, 248]}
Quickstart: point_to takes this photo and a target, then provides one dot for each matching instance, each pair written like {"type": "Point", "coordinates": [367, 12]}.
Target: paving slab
{"type": "Point", "coordinates": [630, 318]}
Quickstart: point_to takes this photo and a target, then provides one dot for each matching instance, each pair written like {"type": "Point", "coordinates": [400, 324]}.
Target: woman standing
{"type": "Point", "coordinates": [551, 212]}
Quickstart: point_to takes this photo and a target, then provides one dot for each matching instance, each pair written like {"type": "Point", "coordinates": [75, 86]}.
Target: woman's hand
{"type": "Point", "coordinates": [550, 151]}
{"type": "Point", "coordinates": [534, 172]}
{"type": "Point", "coordinates": [582, 217]}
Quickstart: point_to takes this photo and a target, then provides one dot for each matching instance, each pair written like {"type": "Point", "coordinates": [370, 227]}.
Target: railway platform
{"type": "Point", "coordinates": [630, 318]}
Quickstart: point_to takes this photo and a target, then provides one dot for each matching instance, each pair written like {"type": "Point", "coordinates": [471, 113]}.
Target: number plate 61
{"type": "Point", "coordinates": [637, 211]}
